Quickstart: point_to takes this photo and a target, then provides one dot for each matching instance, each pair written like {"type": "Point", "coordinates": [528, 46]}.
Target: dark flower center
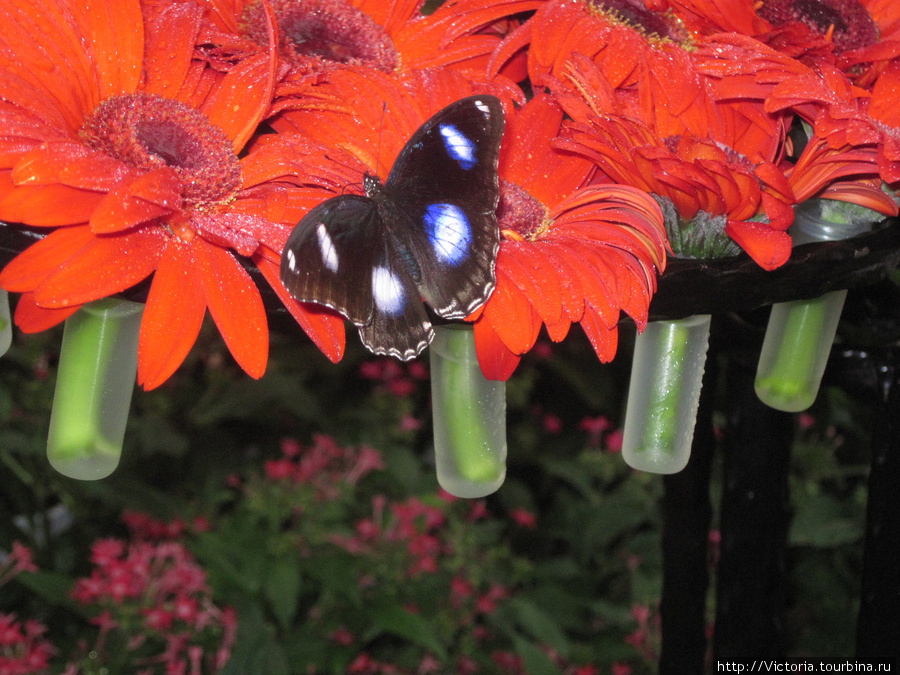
{"type": "Point", "coordinates": [148, 132]}
{"type": "Point", "coordinates": [330, 30]}
{"type": "Point", "coordinates": [520, 215]}
{"type": "Point", "coordinates": [634, 14]}
{"type": "Point", "coordinates": [852, 25]}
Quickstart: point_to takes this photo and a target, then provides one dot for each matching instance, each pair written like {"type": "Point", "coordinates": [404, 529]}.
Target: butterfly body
{"type": "Point", "coordinates": [429, 232]}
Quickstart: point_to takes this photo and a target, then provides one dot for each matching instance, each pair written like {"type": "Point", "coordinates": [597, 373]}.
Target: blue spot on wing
{"type": "Point", "coordinates": [449, 232]}
{"type": "Point", "coordinates": [459, 146]}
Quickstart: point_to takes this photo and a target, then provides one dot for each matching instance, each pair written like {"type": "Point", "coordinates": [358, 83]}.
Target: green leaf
{"type": "Point", "coordinates": [51, 586]}
{"type": "Point", "coordinates": [256, 651]}
{"type": "Point", "coordinates": [390, 617]}
{"type": "Point", "coordinates": [338, 574]}
{"type": "Point", "coordinates": [823, 522]}
{"type": "Point", "coordinates": [281, 586]}
{"type": "Point", "coordinates": [267, 659]}
{"type": "Point", "coordinates": [535, 661]}
{"type": "Point", "coordinates": [228, 563]}
{"type": "Point", "coordinates": [539, 625]}
{"type": "Point", "coordinates": [256, 399]}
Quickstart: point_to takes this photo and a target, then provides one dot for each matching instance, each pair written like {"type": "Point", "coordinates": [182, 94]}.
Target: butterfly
{"type": "Point", "coordinates": [428, 232]}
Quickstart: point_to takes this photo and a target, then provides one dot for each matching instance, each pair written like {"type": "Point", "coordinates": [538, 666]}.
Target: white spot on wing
{"type": "Point", "coordinates": [291, 260]}
{"type": "Point", "coordinates": [387, 290]}
{"type": "Point", "coordinates": [449, 232]}
{"type": "Point", "coordinates": [326, 248]}
{"type": "Point", "coordinates": [483, 107]}
{"type": "Point", "coordinates": [459, 146]}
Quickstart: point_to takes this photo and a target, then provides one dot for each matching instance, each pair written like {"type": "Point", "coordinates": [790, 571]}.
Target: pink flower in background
{"type": "Point", "coordinates": [23, 649]}
{"type": "Point", "coordinates": [614, 440]}
{"type": "Point", "coordinates": [162, 587]}
{"type": "Point", "coordinates": [18, 560]}
{"type": "Point", "coordinates": [523, 518]}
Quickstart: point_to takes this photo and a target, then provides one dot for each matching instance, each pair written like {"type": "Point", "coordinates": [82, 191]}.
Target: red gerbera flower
{"type": "Point", "coordinates": [637, 50]}
{"type": "Point", "coordinates": [848, 174]}
{"type": "Point", "coordinates": [884, 109]}
{"type": "Point", "coordinates": [570, 252]}
{"type": "Point", "coordinates": [850, 120]}
{"type": "Point", "coordinates": [128, 145]}
{"type": "Point", "coordinates": [846, 33]}
{"type": "Point", "coordinates": [645, 58]}
{"type": "Point", "coordinates": [711, 189]}
{"type": "Point", "coordinates": [318, 36]}
{"type": "Point", "coordinates": [723, 183]}
{"type": "Point", "coordinates": [839, 161]}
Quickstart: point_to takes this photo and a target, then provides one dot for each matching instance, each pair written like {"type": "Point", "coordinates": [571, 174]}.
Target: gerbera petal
{"type": "Point", "coordinates": [31, 318]}
{"type": "Point", "coordinates": [391, 15]}
{"type": "Point", "coordinates": [63, 87]}
{"type": "Point", "coordinates": [534, 276]}
{"type": "Point", "coordinates": [148, 196]}
{"type": "Point", "coordinates": [69, 163]}
{"type": "Point", "coordinates": [570, 285]}
{"type": "Point", "coordinates": [627, 239]}
{"type": "Point", "coordinates": [885, 93]}
{"type": "Point", "coordinates": [622, 272]}
{"type": "Point", "coordinates": [103, 267]}
{"type": "Point", "coordinates": [173, 316]}
{"type": "Point", "coordinates": [171, 41]}
{"type": "Point", "coordinates": [558, 331]}
{"type": "Point", "coordinates": [869, 195]}
{"type": "Point", "coordinates": [235, 305]}
{"type": "Point", "coordinates": [115, 32]}
{"type": "Point", "coordinates": [48, 205]}
{"type": "Point", "coordinates": [769, 248]}
{"type": "Point", "coordinates": [512, 45]}
{"type": "Point", "coordinates": [324, 328]}
{"type": "Point", "coordinates": [495, 358]}
{"type": "Point", "coordinates": [528, 159]}
{"type": "Point", "coordinates": [21, 131]}
{"type": "Point", "coordinates": [512, 316]}
{"type": "Point", "coordinates": [40, 260]}
{"type": "Point", "coordinates": [603, 338]}
{"type": "Point", "coordinates": [597, 285]}
{"type": "Point", "coordinates": [243, 97]}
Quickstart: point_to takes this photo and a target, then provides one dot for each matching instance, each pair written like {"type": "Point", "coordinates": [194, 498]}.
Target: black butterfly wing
{"type": "Point", "coordinates": [430, 231]}
{"type": "Point", "coordinates": [339, 256]}
{"type": "Point", "coordinates": [443, 192]}
{"type": "Point", "coordinates": [399, 325]}
{"type": "Point", "coordinates": [329, 256]}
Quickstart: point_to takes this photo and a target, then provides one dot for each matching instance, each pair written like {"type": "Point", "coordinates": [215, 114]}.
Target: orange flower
{"type": "Point", "coordinates": [318, 36]}
{"type": "Point", "coordinates": [884, 109]}
{"type": "Point", "coordinates": [851, 121]}
{"type": "Point", "coordinates": [638, 53]}
{"type": "Point", "coordinates": [848, 174]}
{"type": "Point", "coordinates": [845, 33]}
{"type": "Point", "coordinates": [726, 182]}
{"type": "Point", "coordinates": [129, 146]}
{"type": "Point", "coordinates": [570, 252]}
{"type": "Point", "coordinates": [709, 189]}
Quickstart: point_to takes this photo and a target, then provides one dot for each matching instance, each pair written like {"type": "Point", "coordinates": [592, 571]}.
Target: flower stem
{"type": "Point", "coordinates": [95, 380]}
{"type": "Point", "coordinates": [5, 323]}
{"type": "Point", "coordinates": [795, 351]}
{"type": "Point", "coordinates": [666, 376]}
{"type": "Point", "coordinates": [469, 416]}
